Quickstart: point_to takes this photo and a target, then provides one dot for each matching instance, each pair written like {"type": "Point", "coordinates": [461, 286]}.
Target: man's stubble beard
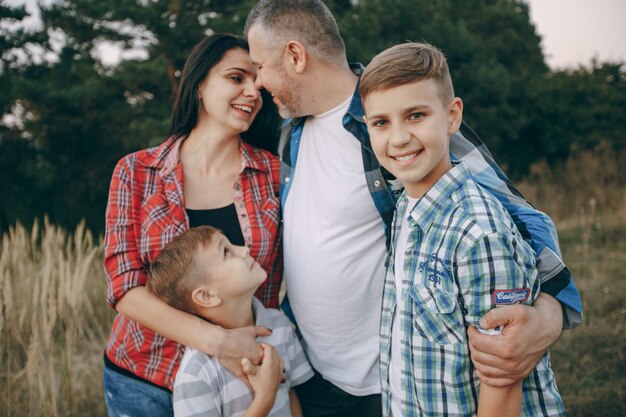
{"type": "Point", "coordinates": [291, 100]}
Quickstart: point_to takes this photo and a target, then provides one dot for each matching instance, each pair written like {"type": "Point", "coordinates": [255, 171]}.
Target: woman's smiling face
{"type": "Point", "coordinates": [228, 94]}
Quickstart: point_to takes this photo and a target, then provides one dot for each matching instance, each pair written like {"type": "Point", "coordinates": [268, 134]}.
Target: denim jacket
{"type": "Point", "coordinates": [465, 145]}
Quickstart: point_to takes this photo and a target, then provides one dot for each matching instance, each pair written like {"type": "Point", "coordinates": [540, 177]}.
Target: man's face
{"type": "Point", "coordinates": [272, 74]}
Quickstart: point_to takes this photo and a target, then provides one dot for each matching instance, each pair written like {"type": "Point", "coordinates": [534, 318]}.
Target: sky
{"type": "Point", "coordinates": [573, 31]}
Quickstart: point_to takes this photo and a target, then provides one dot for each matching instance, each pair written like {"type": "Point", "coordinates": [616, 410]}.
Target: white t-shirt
{"type": "Point", "coordinates": [334, 247]}
{"type": "Point", "coordinates": [395, 360]}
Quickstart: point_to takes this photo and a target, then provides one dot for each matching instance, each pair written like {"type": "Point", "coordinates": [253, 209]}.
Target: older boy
{"type": "Point", "coordinates": [455, 251]}
{"type": "Point", "coordinates": [202, 273]}
{"type": "Point", "coordinates": [338, 202]}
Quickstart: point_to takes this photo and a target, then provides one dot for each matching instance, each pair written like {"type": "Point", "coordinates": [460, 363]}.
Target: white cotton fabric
{"type": "Point", "coordinates": [334, 247]}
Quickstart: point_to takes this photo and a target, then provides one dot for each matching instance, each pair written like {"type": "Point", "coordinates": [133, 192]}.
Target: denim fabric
{"type": "Point", "coordinates": [128, 397]}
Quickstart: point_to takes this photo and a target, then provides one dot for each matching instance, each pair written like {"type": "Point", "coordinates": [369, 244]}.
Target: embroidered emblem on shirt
{"type": "Point", "coordinates": [507, 297]}
{"type": "Point", "coordinates": [435, 269]}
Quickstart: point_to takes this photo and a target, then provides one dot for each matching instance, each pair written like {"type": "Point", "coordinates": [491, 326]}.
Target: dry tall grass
{"type": "Point", "coordinates": [54, 318]}
{"type": "Point", "coordinates": [53, 322]}
{"type": "Point", "coordinates": [589, 187]}
{"type": "Point", "coordinates": [586, 196]}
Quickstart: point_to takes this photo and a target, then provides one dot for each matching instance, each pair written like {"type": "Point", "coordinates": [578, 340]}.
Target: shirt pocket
{"type": "Point", "coordinates": [160, 223]}
{"type": "Point", "coordinates": [270, 216]}
{"type": "Point", "coordinates": [435, 315]}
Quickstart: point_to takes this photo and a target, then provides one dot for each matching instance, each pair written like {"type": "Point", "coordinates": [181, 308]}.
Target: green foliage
{"type": "Point", "coordinates": [79, 117]}
{"type": "Point", "coordinates": [83, 117]}
{"type": "Point", "coordinates": [579, 109]}
{"type": "Point", "coordinates": [493, 52]}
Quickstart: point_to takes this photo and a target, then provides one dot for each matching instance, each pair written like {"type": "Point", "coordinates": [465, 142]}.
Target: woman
{"type": "Point", "coordinates": [204, 174]}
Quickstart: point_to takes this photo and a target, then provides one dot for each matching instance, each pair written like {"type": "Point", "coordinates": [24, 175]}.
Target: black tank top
{"type": "Point", "coordinates": [223, 218]}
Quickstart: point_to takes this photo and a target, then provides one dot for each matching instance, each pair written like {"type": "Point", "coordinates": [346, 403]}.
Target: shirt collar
{"type": "Point", "coordinates": [156, 157]}
{"type": "Point", "coordinates": [355, 110]}
{"type": "Point", "coordinates": [261, 318]}
{"type": "Point", "coordinates": [438, 197]}
{"type": "Point", "coordinates": [356, 106]}
{"type": "Point", "coordinates": [167, 156]}
{"type": "Point", "coordinates": [252, 157]}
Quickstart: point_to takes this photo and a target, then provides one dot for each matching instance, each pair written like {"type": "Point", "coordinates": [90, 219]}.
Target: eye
{"type": "Point", "coordinates": [416, 116]}
{"type": "Point", "coordinates": [236, 78]}
{"type": "Point", "coordinates": [380, 123]}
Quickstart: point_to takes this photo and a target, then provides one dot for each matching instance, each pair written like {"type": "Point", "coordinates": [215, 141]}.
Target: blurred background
{"type": "Point", "coordinates": [84, 82]}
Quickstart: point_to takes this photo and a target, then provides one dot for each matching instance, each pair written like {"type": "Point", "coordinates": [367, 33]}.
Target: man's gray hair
{"type": "Point", "coordinates": [309, 22]}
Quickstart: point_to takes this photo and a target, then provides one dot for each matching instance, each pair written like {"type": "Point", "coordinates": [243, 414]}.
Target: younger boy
{"type": "Point", "coordinates": [202, 273]}
{"type": "Point", "coordinates": [455, 251]}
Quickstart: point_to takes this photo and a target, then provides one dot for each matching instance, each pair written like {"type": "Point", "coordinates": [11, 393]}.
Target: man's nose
{"type": "Point", "coordinates": [258, 83]}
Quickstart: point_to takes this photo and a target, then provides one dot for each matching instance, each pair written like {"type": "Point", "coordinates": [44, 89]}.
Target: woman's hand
{"type": "Point", "coordinates": [236, 344]}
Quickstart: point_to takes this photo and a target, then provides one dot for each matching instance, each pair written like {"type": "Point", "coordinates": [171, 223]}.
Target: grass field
{"type": "Point", "coordinates": [54, 319]}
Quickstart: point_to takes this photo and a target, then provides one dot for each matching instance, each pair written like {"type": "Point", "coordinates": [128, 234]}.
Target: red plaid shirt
{"type": "Point", "coordinates": [146, 210]}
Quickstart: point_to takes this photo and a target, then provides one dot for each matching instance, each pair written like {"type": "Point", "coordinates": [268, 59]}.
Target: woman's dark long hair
{"type": "Point", "coordinates": [264, 131]}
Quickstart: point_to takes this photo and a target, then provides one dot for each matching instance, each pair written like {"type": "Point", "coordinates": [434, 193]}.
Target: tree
{"type": "Point", "coordinates": [77, 117]}
{"type": "Point", "coordinates": [493, 52]}
{"type": "Point", "coordinates": [578, 110]}
{"type": "Point", "coordinates": [83, 117]}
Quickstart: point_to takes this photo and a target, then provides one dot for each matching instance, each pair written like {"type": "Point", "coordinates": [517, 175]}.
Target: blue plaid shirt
{"type": "Point", "coordinates": [536, 227]}
{"type": "Point", "coordinates": [464, 256]}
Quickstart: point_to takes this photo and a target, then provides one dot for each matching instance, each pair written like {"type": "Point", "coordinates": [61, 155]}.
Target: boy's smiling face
{"type": "Point", "coordinates": [409, 127]}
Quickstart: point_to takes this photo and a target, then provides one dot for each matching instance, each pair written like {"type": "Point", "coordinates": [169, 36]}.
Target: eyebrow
{"type": "Point", "coordinates": [245, 71]}
{"type": "Point", "coordinates": [407, 110]}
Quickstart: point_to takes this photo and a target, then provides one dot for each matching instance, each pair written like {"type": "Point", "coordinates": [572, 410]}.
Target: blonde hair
{"type": "Point", "coordinates": [407, 63]}
{"type": "Point", "coordinates": [174, 273]}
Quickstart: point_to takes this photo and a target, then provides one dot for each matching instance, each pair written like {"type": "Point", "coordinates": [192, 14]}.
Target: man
{"type": "Point", "coordinates": [338, 204]}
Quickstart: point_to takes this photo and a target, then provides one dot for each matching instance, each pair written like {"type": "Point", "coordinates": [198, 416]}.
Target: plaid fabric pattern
{"type": "Point", "coordinates": [204, 387]}
{"type": "Point", "coordinates": [536, 227]}
{"type": "Point", "coordinates": [462, 247]}
{"type": "Point", "coordinates": [146, 210]}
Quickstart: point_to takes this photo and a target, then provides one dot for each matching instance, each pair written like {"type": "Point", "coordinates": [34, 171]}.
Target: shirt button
{"type": "Point", "coordinates": [377, 183]}
{"type": "Point", "coordinates": [287, 179]}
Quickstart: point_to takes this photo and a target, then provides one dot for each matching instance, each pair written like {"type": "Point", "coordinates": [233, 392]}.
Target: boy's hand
{"type": "Point", "coordinates": [241, 343]}
{"type": "Point", "coordinates": [528, 332]}
{"type": "Point", "coordinates": [266, 377]}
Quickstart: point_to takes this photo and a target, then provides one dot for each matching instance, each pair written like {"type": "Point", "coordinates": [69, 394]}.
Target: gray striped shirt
{"type": "Point", "coordinates": [204, 387]}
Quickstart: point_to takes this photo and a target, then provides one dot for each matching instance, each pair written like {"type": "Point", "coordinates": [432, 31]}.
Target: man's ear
{"type": "Point", "coordinates": [296, 56]}
{"type": "Point", "coordinates": [455, 115]}
{"type": "Point", "coordinates": [205, 298]}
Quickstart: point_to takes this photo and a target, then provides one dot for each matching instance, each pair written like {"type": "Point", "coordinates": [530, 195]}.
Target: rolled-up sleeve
{"type": "Point", "coordinates": [122, 263]}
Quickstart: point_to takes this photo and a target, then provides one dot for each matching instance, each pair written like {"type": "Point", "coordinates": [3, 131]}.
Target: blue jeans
{"type": "Point", "coordinates": [128, 397]}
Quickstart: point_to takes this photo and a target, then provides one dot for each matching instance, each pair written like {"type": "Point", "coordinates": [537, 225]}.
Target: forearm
{"type": "Point", "coordinates": [500, 402]}
{"type": "Point", "coordinates": [551, 313]}
{"type": "Point", "coordinates": [528, 332]}
{"type": "Point", "coordinates": [294, 403]}
{"type": "Point", "coordinates": [147, 309]}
